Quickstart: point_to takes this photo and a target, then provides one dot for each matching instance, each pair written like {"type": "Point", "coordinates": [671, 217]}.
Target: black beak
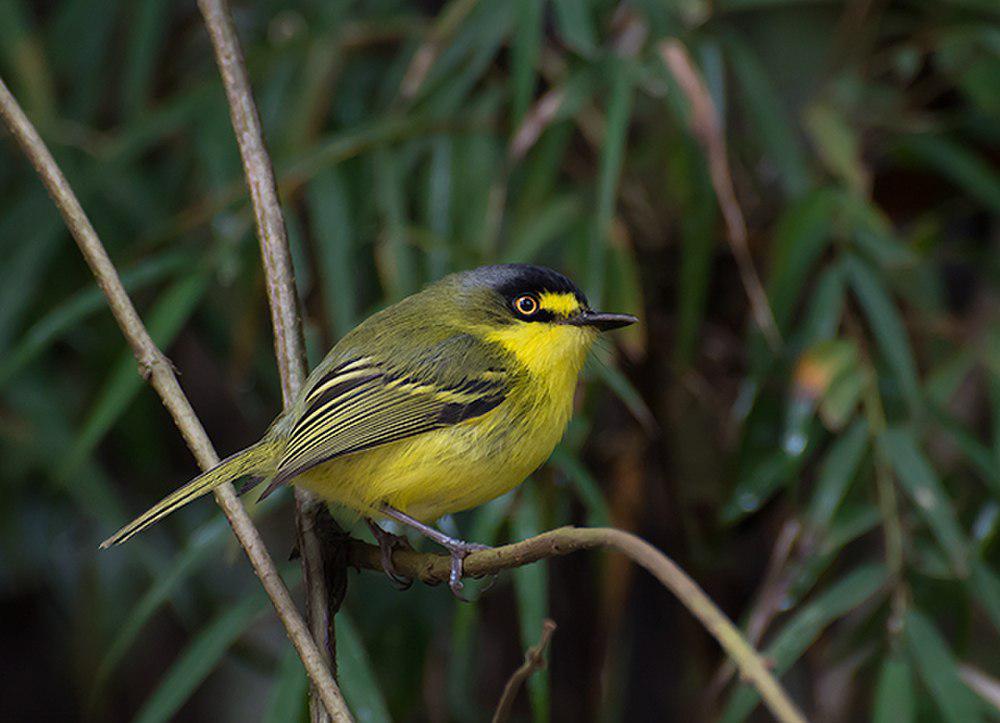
{"type": "Point", "coordinates": [601, 320]}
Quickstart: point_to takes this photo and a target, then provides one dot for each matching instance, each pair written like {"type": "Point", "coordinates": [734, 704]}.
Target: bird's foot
{"type": "Point", "coordinates": [459, 550]}
{"type": "Point", "coordinates": [387, 542]}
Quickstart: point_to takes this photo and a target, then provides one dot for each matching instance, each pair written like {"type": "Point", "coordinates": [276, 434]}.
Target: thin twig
{"type": "Point", "coordinates": [534, 659]}
{"type": "Point", "coordinates": [434, 569]}
{"type": "Point", "coordinates": [768, 603]}
{"type": "Point", "coordinates": [985, 685]}
{"type": "Point", "coordinates": [708, 130]}
{"type": "Point", "coordinates": [158, 370]}
{"type": "Point", "coordinates": [280, 277]}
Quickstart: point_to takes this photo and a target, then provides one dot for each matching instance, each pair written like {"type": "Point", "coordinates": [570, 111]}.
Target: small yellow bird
{"type": "Point", "coordinates": [436, 404]}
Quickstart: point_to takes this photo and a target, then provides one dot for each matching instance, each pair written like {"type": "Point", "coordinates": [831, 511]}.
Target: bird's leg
{"type": "Point", "coordinates": [458, 549]}
{"type": "Point", "coordinates": [387, 542]}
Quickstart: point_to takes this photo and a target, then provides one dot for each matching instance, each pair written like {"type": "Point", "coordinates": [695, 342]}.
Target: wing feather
{"type": "Point", "coordinates": [360, 404]}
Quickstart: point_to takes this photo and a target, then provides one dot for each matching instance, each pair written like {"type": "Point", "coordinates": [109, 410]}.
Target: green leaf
{"type": "Point", "coordinates": [531, 589]}
{"type": "Point", "coordinates": [575, 25]}
{"type": "Point", "coordinates": [836, 472]}
{"type": "Point", "coordinates": [333, 235]}
{"type": "Point", "coordinates": [587, 488]}
{"type": "Point", "coordinates": [30, 235]}
{"type": "Point", "coordinates": [966, 169]}
{"type": "Point", "coordinates": [887, 328]}
{"type": "Point", "coordinates": [164, 322]}
{"type": "Point", "coordinates": [525, 52]}
{"type": "Point", "coordinates": [394, 253]}
{"type": "Point", "coordinates": [485, 529]}
{"type": "Point", "coordinates": [438, 202]}
{"type": "Point", "coordinates": [609, 170]}
{"type": "Point", "coordinates": [799, 633]}
{"type": "Point", "coordinates": [202, 547]}
{"type": "Point", "coordinates": [937, 668]}
{"type": "Point", "coordinates": [618, 383]}
{"type": "Point", "coordinates": [894, 696]}
{"type": "Point", "coordinates": [357, 675]}
{"type": "Point", "coordinates": [985, 586]}
{"type": "Point", "coordinates": [801, 236]}
{"type": "Point", "coordinates": [698, 245]}
{"type": "Point", "coordinates": [849, 524]}
{"type": "Point", "coordinates": [825, 308]}
{"type": "Point", "coordinates": [765, 109]}
{"type": "Point", "coordinates": [288, 699]}
{"type": "Point", "coordinates": [838, 146]}
{"type": "Point", "coordinates": [146, 36]}
{"type": "Point", "coordinates": [921, 482]}
{"type": "Point", "coordinates": [201, 656]}
{"type": "Point", "coordinates": [65, 317]}
{"type": "Point", "coordinates": [978, 454]}
{"type": "Point", "coordinates": [543, 227]}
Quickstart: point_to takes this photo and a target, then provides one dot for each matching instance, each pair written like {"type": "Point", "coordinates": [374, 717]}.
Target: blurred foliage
{"type": "Point", "coordinates": [839, 496]}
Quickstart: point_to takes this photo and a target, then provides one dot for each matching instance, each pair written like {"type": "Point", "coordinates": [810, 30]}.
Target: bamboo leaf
{"type": "Point", "coordinates": [357, 675]}
{"type": "Point", "coordinates": [63, 318]}
{"type": "Point", "coordinates": [894, 697]}
{"type": "Point", "coordinates": [799, 633]}
{"type": "Point", "coordinates": [836, 472]}
{"type": "Point", "coordinates": [575, 25]}
{"type": "Point", "coordinates": [921, 482]}
{"type": "Point", "coordinates": [959, 164]}
{"type": "Point", "coordinates": [201, 656]}
{"type": "Point", "coordinates": [587, 488]}
{"type": "Point", "coordinates": [165, 320]}
{"type": "Point", "coordinates": [525, 54]}
{"type": "Point", "coordinates": [985, 586]}
{"type": "Point", "coordinates": [936, 666]}
{"type": "Point", "coordinates": [619, 112]}
{"type": "Point", "coordinates": [287, 702]}
{"type": "Point", "coordinates": [531, 589]}
{"type": "Point", "coordinates": [765, 110]}
{"type": "Point", "coordinates": [333, 234]}
{"type": "Point", "coordinates": [887, 328]}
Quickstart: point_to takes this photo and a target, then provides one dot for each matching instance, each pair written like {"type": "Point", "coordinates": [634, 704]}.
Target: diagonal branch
{"type": "Point", "coordinates": [280, 277]}
{"type": "Point", "coordinates": [434, 569]}
{"type": "Point", "coordinates": [158, 370]}
{"type": "Point", "coordinates": [706, 127]}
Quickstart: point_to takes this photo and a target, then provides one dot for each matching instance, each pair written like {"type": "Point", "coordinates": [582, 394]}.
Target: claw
{"type": "Point", "coordinates": [387, 542]}
{"type": "Point", "coordinates": [458, 549]}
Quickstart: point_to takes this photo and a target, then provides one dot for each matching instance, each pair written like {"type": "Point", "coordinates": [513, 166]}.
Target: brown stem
{"type": "Point", "coordinates": [157, 369]}
{"type": "Point", "coordinates": [434, 569]}
{"type": "Point", "coordinates": [534, 659]}
{"type": "Point", "coordinates": [280, 278]}
{"type": "Point", "coordinates": [706, 127]}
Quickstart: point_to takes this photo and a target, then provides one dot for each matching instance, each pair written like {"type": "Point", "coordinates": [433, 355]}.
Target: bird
{"type": "Point", "coordinates": [436, 404]}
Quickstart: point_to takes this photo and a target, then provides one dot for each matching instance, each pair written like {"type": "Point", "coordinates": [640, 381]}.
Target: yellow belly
{"type": "Point", "coordinates": [462, 466]}
{"type": "Point", "coordinates": [444, 471]}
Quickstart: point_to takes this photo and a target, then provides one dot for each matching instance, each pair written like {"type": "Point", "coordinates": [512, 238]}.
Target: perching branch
{"type": "Point", "coordinates": [708, 130]}
{"type": "Point", "coordinates": [158, 370]}
{"type": "Point", "coordinates": [433, 569]}
{"type": "Point", "coordinates": [534, 659]}
{"type": "Point", "coordinates": [283, 297]}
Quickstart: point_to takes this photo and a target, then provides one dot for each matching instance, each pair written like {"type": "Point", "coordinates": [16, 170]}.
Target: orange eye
{"type": "Point", "coordinates": [526, 305]}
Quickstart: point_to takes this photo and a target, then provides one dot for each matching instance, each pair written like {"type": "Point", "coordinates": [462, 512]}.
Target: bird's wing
{"type": "Point", "coordinates": [363, 403]}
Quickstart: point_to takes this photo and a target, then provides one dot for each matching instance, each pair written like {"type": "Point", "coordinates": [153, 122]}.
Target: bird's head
{"type": "Point", "coordinates": [534, 311]}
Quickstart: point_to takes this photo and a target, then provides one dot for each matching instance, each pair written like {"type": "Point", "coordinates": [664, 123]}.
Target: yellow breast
{"type": "Point", "coordinates": [465, 465]}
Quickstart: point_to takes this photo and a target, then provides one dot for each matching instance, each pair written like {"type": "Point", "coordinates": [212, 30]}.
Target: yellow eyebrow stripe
{"type": "Point", "coordinates": [560, 304]}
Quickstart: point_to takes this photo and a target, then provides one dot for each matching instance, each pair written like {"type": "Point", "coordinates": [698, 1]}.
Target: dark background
{"type": "Point", "coordinates": [836, 494]}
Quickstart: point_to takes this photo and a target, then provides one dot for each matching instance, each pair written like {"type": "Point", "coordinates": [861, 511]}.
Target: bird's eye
{"type": "Point", "coordinates": [526, 305]}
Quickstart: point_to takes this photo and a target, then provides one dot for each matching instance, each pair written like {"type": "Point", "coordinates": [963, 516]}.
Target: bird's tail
{"type": "Point", "coordinates": [257, 461]}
